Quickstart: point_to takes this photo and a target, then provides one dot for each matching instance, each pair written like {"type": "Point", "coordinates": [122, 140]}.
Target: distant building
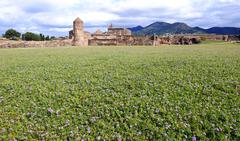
{"type": "Point", "coordinates": [121, 36]}
{"type": "Point", "coordinates": [118, 31]}
{"type": "Point", "coordinates": [113, 36]}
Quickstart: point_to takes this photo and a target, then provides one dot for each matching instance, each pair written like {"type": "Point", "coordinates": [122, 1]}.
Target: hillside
{"type": "Point", "coordinates": [161, 28]}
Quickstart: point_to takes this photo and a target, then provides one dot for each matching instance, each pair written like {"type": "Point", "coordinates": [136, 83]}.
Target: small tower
{"type": "Point", "coordinates": [78, 32]}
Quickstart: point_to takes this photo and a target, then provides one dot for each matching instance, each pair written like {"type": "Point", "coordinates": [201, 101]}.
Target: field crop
{"type": "Point", "coordinates": [121, 93]}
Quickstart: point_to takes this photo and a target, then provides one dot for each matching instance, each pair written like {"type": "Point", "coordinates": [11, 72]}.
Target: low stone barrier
{"type": "Point", "coordinates": [28, 44]}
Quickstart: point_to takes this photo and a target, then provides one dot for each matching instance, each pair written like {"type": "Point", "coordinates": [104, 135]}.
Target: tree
{"type": "Point", "coordinates": [53, 38]}
{"type": "Point", "coordinates": [29, 36]}
{"type": "Point", "coordinates": [47, 38]}
{"type": "Point", "coordinates": [12, 34]}
{"type": "Point", "coordinates": [23, 36]}
{"type": "Point", "coordinates": [42, 37]}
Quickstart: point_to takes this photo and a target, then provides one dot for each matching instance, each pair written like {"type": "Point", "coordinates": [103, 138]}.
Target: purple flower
{"type": "Point", "coordinates": [50, 110]}
{"type": "Point", "coordinates": [194, 138]}
{"type": "Point", "coordinates": [89, 130]}
{"type": "Point", "coordinates": [219, 129]}
{"type": "Point", "coordinates": [67, 122]}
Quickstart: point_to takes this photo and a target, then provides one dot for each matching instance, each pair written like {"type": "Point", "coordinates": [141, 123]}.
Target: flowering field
{"type": "Point", "coordinates": [121, 93]}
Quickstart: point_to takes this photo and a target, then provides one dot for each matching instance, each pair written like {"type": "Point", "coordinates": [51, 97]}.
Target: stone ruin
{"type": "Point", "coordinates": [116, 36]}
{"type": "Point", "coordinates": [28, 44]}
{"type": "Point", "coordinates": [121, 36]}
{"type": "Point", "coordinates": [79, 36]}
{"type": "Point", "coordinates": [113, 36]}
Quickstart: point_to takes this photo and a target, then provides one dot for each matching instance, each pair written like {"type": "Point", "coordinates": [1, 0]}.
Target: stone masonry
{"type": "Point", "coordinates": [79, 37]}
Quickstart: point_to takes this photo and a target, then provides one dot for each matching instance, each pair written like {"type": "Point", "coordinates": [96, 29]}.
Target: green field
{"type": "Point", "coordinates": [121, 93]}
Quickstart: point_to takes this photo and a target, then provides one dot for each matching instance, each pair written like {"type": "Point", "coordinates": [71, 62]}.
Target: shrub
{"type": "Point", "coordinates": [29, 36]}
{"type": "Point", "coordinates": [47, 38]}
{"type": "Point", "coordinates": [12, 34]}
{"type": "Point", "coordinates": [42, 37]}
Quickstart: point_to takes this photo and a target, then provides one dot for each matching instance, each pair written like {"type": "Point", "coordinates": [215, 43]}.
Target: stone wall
{"type": "Point", "coordinates": [213, 37]}
{"type": "Point", "coordinates": [119, 31]}
{"type": "Point", "coordinates": [104, 40]}
{"type": "Point", "coordinates": [27, 44]}
{"type": "Point", "coordinates": [127, 40]}
{"type": "Point", "coordinates": [142, 40]}
{"type": "Point", "coordinates": [185, 40]}
{"type": "Point", "coordinates": [234, 38]}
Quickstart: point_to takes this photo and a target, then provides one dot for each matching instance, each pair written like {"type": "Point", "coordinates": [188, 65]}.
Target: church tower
{"type": "Point", "coordinates": [78, 32]}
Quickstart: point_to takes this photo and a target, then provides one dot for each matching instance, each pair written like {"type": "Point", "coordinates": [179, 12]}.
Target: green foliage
{"type": "Point", "coordinates": [121, 93]}
{"type": "Point", "coordinates": [211, 42]}
{"type": "Point", "coordinates": [23, 36]}
{"type": "Point", "coordinates": [53, 38]}
{"type": "Point", "coordinates": [29, 36]}
{"type": "Point", "coordinates": [47, 38]}
{"type": "Point", "coordinates": [42, 37]}
{"type": "Point", "coordinates": [12, 34]}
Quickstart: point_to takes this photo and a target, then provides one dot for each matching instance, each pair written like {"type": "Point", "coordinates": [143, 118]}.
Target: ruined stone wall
{"type": "Point", "coordinates": [234, 38]}
{"type": "Point", "coordinates": [175, 40]}
{"type": "Point", "coordinates": [158, 40]}
{"type": "Point", "coordinates": [115, 31]}
{"type": "Point", "coordinates": [127, 40]}
{"type": "Point", "coordinates": [103, 36]}
{"type": "Point", "coordinates": [142, 40]}
{"type": "Point", "coordinates": [185, 40]}
{"type": "Point", "coordinates": [103, 41]}
{"type": "Point", "coordinates": [119, 32]}
{"type": "Point", "coordinates": [28, 44]}
{"type": "Point", "coordinates": [87, 36]}
{"type": "Point", "coordinates": [213, 37]}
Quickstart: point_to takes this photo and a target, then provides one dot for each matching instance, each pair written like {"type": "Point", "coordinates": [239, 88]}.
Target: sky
{"type": "Point", "coordinates": [55, 17]}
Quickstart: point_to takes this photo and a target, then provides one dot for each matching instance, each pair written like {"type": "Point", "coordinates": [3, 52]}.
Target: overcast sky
{"type": "Point", "coordinates": [54, 17]}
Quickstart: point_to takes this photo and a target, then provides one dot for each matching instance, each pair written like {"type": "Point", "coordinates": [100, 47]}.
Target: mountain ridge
{"type": "Point", "coordinates": [161, 28]}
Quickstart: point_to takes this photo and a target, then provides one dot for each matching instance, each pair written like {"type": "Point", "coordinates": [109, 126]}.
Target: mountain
{"type": "Point", "coordinates": [137, 28]}
{"type": "Point", "coordinates": [161, 28]}
{"type": "Point", "coordinates": [224, 30]}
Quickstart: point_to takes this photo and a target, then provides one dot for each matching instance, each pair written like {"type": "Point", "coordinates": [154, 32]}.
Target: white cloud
{"type": "Point", "coordinates": [52, 15]}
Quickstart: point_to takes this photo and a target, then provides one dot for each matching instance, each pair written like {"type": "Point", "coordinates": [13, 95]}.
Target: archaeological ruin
{"type": "Point", "coordinates": [123, 37]}
{"type": "Point", "coordinates": [116, 36]}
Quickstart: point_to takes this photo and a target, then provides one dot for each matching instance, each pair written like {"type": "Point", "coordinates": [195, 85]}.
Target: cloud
{"type": "Point", "coordinates": [60, 29]}
{"type": "Point", "coordinates": [55, 17]}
